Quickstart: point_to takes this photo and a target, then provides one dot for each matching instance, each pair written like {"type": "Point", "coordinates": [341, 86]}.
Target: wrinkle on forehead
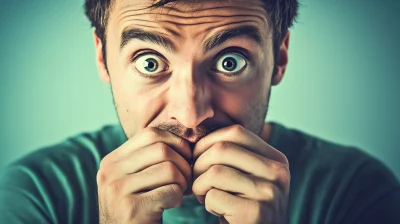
{"type": "Point", "coordinates": [186, 22]}
{"type": "Point", "coordinates": [205, 12]}
{"type": "Point", "coordinates": [173, 17]}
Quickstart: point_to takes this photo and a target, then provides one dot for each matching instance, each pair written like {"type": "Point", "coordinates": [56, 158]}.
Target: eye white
{"type": "Point", "coordinates": [230, 63]}
{"type": "Point", "coordinates": [150, 64]}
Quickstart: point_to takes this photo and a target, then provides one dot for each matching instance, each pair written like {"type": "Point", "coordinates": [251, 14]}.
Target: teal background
{"type": "Point", "coordinates": [341, 83]}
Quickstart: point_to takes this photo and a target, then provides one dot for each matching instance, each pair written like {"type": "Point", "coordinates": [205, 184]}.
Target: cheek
{"type": "Point", "coordinates": [137, 106]}
{"type": "Point", "coordinates": [243, 103]}
{"type": "Point", "coordinates": [246, 104]}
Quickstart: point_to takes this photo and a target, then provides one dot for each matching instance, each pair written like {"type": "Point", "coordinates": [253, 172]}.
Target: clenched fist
{"type": "Point", "coordinates": [143, 177]}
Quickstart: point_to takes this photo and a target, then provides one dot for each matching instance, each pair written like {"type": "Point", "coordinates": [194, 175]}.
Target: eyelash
{"type": "Point", "coordinates": [234, 50]}
{"type": "Point", "coordinates": [143, 52]}
{"type": "Point", "coordinates": [139, 53]}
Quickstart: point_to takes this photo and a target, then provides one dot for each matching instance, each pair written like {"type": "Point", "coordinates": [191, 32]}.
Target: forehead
{"type": "Point", "coordinates": [185, 19]}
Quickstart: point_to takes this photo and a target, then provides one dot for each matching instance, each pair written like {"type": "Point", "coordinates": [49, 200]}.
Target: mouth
{"type": "Point", "coordinates": [189, 134]}
{"type": "Point", "coordinates": [193, 136]}
{"type": "Point", "coordinates": [192, 139]}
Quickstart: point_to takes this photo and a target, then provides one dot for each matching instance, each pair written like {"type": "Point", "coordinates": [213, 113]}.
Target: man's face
{"type": "Point", "coordinates": [189, 68]}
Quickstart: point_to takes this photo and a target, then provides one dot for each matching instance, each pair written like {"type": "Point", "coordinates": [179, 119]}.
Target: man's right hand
{"type": "Point", "coordinates": [144, 176]}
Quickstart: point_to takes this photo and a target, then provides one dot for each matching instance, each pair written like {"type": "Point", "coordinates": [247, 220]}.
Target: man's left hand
{"type": "Point", "coordinates": [241, 178]}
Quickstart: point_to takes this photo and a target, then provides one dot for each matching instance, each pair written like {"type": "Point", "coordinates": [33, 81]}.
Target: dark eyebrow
{"type": "Point", "coordinates": [135, 33]}
{"type": "Point", "coordinates": [212, 42]}
{"type": "Point", "coordinates": [219, 38]}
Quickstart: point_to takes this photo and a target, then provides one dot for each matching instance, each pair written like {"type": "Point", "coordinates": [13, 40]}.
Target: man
{"type": "Point", "coordinates": [191, 82]}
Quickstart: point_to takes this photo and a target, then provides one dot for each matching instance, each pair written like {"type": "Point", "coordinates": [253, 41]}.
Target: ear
{"type": "Point", "coordinates": [101, 66]}
{"type": "Point", "coordinates": [282, 60]}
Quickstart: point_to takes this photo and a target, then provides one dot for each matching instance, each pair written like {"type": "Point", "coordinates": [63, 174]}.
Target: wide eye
{"type": "Point", "coordinates": [150, 64]}
{"type": "Point", "coordinates": [230, 63]}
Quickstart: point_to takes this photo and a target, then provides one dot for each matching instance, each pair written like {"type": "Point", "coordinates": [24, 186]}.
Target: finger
{"type": "Point", "coordinates": [150, 155]}
{"type": "Point", "coordinates": [165, 197]}
{"type": "Point", "coordinates": [235, 182]}
{"type": "Point", "coordinates": [232, 155]}
{"type": "Point", "coordinates": [154, 203]}
{"type": "Point", "coordinates": [233, 208]}
{"type": "Point", "coordinates": [240, 136]}
{"type": "Point", "coordinates": [148, 137]}
{"type": "Point", "coordinates": [151, 178]}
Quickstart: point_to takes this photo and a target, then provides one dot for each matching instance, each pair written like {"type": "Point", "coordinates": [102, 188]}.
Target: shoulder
{"type": "Point", "coordinates": [64, 172]}
{"type": "Point", "coordinates": [315, 158]}
{"type": "Point", "coordinates": [313, 153]}
{"type": "Point", "coordinates": [333, 182]}
{"type": "Point", "coordinates": [80, 151]}
{"type": "Point", "coordinates": [86, 146]}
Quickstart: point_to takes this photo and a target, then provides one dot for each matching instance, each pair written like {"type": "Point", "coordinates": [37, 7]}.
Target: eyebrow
{"type": "Point", "coordinates": [247, 31]}
{"type": "Point", "coordinates": [146, 36]}
{"type": "Point", "coordinates": [214, 41]}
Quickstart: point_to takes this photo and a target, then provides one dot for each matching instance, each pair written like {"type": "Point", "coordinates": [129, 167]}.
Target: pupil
{"type": "Point", "coordinates": [150, 65]}
{"type": "Point", "coordinates": [229, 64]}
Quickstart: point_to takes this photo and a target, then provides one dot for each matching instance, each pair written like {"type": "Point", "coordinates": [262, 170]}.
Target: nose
{"type": "Point", "coordinates": [189, 100]}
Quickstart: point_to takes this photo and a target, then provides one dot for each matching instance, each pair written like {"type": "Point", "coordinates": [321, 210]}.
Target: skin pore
{"type": "Point", "coordinates": [191, 68]}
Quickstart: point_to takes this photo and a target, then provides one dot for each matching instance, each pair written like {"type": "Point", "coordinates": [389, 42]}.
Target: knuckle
{"type": "Point", "coordinates": [150, 202]}
{"type": "Point", "coordinates": [175, 189]}
{"type": "Point", "coordinates": [236, 130]}
{"type": "Point", "coordinates": [103, 173]}
{"type": "Point", "coordinates": [101, 177]}
{"type": "Point", "coordinates": [282, 171]}
{"type": "Point", "coordinates": [166, 193]}
{"type": "Point", "coordinates": [285, 159]}
{"type": "Point", "coordinates": [176, 194]}
{"type": "Point", "coordinates": [215, 170]}
{"type": "Point", "coordinates": [161, 195]}
{"type": "Point", "coordinates": [220, 147]}
{"type": "Point", "coordinates": [169, 167]}
{"type": "Point", "coordinates": [166, 197]}
{"type": "Point", "coordinates": [281, 158]}
{"type": "Point", "coordinates": [114, 189]}
{"type": "Point", "coordinates": [267, 190]}
{"type": "Point", "coordinates": [170, 196]}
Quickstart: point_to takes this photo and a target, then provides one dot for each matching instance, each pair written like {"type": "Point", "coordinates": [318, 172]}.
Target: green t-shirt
{"type": "Point", "coordinates": [329, 183]}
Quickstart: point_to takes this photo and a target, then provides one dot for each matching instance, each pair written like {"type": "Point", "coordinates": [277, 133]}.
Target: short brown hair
{"type": "Point", "coordinates": [282, 14]}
